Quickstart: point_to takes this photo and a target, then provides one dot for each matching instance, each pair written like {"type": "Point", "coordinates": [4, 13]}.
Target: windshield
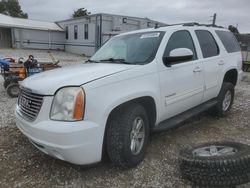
{"type": "Point", "coordinates": [139, 48]}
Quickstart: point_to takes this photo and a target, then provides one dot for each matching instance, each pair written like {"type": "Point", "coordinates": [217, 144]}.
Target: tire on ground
{"type": "Point", "coordinates": [118, 137]}
{"type": "Point", "coordinates": [218, 109]}
{"type": "Point", "coordinates": [213, 171]}
{"type": "Point", "coordinates": [13, 90]}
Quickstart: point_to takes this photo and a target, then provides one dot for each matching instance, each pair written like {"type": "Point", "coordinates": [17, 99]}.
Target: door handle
{"type": "Point", "coordinates": [221, 62]}
{"type": "Point", "coordinates": [197, 69]}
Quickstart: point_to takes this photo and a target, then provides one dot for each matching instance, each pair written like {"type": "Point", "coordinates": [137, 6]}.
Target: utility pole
{"type": "Point", "coordinates": [214, 19]}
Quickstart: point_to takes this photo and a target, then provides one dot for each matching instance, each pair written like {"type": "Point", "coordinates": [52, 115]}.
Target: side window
{"type": "Point", "coordinates": [86, 31]}
{"type": "Point", "coordinates": [180, 39]}
{"type": "Point", "coordinates": [229, 41]}
{"type": "Point", "coordinates": [208, 44]}
{"type": "Point", "coordinates": [75, 32]}
{"type": "Point", "coordinates": [67, 33]}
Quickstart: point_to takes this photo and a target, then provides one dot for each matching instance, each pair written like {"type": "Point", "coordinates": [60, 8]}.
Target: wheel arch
{"type": "Point", "coordinates": [231, 76]}
{"type": "Point", "coordinates": [148, 102]}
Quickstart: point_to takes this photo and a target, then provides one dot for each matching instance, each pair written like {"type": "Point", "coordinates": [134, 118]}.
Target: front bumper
{"type": "Point", "coordinates": [75, 142]}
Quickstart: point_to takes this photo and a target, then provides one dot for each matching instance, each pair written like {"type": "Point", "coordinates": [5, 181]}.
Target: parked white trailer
{"type": "Point", "coordinates": [84, 35]}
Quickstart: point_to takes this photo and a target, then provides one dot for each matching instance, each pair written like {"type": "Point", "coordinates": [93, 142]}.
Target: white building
{"type": "Point", "coordinates": [26, 33]}
{"type": "Point", "coordinates": [83, 35]}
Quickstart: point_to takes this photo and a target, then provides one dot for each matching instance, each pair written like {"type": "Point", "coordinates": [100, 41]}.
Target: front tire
{"type": "Point", "coordinates": [225, 100]}
{"type": "Point", "coordinates": [127, 136]}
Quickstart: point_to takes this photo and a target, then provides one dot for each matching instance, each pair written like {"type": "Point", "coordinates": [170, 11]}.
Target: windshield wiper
{"type": "Point", "coordinates": [91, 61]}
{"type": "Point", "coordinates": [115, 60]}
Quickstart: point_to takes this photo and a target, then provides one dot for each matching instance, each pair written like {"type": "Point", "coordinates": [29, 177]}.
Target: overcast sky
{"type": "Point", "coordinates": [234, 12]}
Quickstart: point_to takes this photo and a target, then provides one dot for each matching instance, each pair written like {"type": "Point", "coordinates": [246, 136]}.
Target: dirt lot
{"type": "Point", "coordinates": [43, 55]}
{"type": "Point", "coordinates": [22, 165]}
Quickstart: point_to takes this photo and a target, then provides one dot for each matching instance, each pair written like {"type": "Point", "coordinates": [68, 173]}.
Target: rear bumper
{"type": "Point", "coordinates": [75, 142]}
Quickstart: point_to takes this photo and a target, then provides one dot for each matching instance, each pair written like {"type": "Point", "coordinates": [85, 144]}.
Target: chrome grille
{"type": "Point", "coordinates": [29, 103]}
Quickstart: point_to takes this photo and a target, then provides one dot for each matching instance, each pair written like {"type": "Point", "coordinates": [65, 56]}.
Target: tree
{"type": "Point", "coordinates": [2, 7]}
{"type": "Point", "coordinates": [233, 29]}
{"type": "Point", "coordinates": [80, 12]}
{"type": "Point", "coordinates": [12, 8]}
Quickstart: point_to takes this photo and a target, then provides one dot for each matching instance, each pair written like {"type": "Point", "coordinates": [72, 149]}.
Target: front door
{"type": "Point", "coordinates": [182, 84]}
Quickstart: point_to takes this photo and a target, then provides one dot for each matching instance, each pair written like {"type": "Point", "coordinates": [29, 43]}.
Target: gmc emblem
{"type": "Point", "coordinates": [24, 102]}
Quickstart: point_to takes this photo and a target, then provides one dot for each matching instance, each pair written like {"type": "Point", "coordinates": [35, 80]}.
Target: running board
{"type": "Point", "coordinates": [178, 119]}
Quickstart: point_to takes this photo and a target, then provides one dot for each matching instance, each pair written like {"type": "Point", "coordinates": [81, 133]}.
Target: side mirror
{"type": "Point", "coordinates": [178, 55]}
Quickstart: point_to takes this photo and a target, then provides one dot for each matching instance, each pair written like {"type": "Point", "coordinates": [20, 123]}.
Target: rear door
{"type": "Point", "coordinates": [212, 63]}
{"type": "Point", "coordinates": [182, 83]}
{"type": "Point", "coordinates": [231, 51]}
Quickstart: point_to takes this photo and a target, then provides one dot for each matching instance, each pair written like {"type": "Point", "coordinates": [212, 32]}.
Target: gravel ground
{"type": "Point", "coordinates": [43, 55]}
{"type": "Point", "coordinates": [22, 165]}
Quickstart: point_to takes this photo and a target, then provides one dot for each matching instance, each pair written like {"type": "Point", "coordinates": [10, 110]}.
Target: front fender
{"type": "Point", "coordinates": [100, 101]}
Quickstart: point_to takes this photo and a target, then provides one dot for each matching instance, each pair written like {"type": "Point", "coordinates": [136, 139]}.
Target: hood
{"type": "Point", "coordinates": [48, 82]}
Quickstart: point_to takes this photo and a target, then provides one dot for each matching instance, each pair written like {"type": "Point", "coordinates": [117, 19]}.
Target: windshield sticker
{"type": "Point", "coordinates": [150, 35]}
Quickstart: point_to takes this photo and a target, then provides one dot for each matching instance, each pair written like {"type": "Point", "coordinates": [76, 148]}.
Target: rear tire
{"type": "Point", "coordinates": [127, 135]}
{"type": "Point", "coordinates": [13, 90]}
{"type": "Point", "coordinates": [225, 100]}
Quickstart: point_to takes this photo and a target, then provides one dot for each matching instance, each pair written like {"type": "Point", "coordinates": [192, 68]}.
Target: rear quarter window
{"type": "Point", "coordinates": [229, 41]}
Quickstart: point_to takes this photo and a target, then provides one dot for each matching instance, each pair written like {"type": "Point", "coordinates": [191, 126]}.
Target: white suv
{"type": "Point", "coordinates": [137, 83]}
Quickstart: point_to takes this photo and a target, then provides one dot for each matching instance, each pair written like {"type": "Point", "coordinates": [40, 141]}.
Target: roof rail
{"type": "Point", "coordinates": [198, 24]}
{"type": "Point", "coordinates": [189, 24]}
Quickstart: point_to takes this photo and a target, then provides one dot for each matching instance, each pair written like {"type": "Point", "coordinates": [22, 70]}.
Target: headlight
{"type": "Point", "coordinates": [68, 104]}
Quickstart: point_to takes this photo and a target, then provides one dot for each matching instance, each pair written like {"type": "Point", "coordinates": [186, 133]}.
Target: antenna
{"type": "Point", "coordinates": [214, 19]}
